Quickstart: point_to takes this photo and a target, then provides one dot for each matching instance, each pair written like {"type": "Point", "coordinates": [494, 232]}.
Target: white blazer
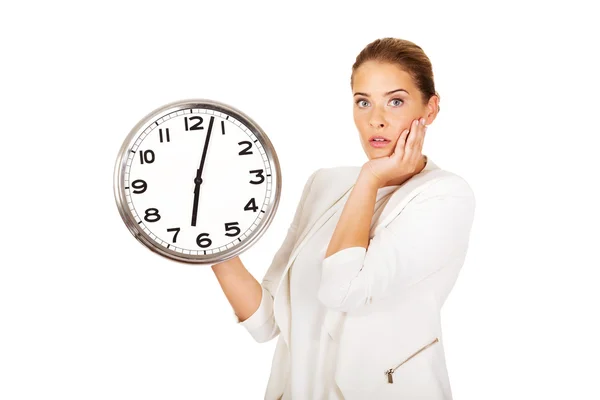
{"type": "Point", "coordinates": [389, 336]}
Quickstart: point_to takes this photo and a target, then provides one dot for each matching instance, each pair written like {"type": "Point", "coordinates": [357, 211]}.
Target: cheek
{"type": "Point", "coordinates": [400, 124]}
{"type": "Point", "coordinates": [400, 120]}
{"type": "Point", "coordinates": [360, 123]}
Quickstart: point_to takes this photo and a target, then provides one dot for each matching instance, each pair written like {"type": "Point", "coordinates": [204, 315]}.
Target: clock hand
{"type": "Point", "coordinates": [198, 178]}
{"type": "Point", "coordinates": [198, 182]}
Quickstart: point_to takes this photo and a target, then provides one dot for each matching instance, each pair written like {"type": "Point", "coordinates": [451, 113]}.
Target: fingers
{"type": "Point", "coordinates": [401, 143]}
{"type": "Point", "coordinates": [423, 130]}
{"type": "Point", "coordinates": [410, 142]}
{"type": "Point", "coordinates": [416, 130]}
{"type": "Point", "coordinates": [414, 144]}
{"type": "Point", "coordinates": [423, 137]}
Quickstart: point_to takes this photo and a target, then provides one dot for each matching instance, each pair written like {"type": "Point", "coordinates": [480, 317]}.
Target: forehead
{"type": "Point", "coordinates": [380, 77]}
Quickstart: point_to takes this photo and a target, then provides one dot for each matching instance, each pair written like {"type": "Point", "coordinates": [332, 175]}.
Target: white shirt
{"type": "Point", "coordinates": [312, 349]}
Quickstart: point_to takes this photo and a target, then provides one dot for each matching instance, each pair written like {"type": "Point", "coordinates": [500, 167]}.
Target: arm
{"type": "Point", "coordinates": [253, 302]}
{"type": "Point", "coordinates": [245, 295]}
{"type": "Point", "coordinates": [352, 230]}
{"type": "Point", "coordinates": [430, 234]}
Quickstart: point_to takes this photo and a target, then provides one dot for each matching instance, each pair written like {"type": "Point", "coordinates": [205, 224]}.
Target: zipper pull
{"type": "Point", "coordinates": [389, 374]}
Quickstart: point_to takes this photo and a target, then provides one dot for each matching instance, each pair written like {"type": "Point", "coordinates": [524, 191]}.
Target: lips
{"type": "Point", "coordinates": [379, 144]}
{"type": "Point", "coordinates": [372, 139]}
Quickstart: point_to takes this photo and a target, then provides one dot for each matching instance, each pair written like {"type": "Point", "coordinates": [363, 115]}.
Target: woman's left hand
{"type": "Point", "coordinates": [404, 161]}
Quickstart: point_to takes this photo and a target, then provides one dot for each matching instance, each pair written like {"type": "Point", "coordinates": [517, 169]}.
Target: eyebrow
{"type": "Point", "coordinates": [387, 94]}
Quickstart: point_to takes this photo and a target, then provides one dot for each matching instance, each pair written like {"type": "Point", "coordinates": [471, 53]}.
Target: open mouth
{"type": "Point", "coordinates": [379, 142]}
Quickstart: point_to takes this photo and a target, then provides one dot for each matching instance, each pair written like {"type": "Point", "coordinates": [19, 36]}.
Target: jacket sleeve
{"type": "Point", "coordinates": [429, 235]}
{"type": "Point", "coordinates": [262, 325]}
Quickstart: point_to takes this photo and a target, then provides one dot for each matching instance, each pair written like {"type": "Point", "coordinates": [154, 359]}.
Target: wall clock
{"type": "Point", "coordinates": [197, 181]}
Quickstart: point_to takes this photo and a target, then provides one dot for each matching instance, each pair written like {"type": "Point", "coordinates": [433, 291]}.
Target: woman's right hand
{"type": "Point", "coordinates": [405, 159]}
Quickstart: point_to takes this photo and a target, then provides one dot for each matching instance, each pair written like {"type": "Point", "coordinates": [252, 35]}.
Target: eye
{"type": "Point", "coordinates": [398, 100]}
{"type": "Point", "coordinates": [359, 100]}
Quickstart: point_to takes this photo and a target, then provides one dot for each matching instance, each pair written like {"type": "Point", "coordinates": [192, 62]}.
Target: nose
{"type": "Point", "coordinates": [376, 120]}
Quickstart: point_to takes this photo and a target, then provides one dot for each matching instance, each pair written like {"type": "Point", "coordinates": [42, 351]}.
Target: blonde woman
{"type": "Point", "coordinates": [354, 293]}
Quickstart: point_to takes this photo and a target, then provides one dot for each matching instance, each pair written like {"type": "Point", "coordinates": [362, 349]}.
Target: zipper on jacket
{"type": "Point", "coordinates": [390, 371]}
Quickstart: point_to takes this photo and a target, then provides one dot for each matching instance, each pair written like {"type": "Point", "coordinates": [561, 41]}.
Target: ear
{"type": "Point", "coordinates": [432, 109]}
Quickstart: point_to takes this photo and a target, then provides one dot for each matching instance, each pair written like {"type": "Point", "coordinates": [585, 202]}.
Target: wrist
{"type": "Point", "coordinates": [367, 178]}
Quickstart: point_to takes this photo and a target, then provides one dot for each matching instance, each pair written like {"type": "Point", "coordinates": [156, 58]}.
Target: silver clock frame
{"type": "Point", "coordinates": [129, 219]}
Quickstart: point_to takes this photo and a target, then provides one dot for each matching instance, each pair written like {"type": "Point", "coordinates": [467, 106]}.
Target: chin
{"type": "Point", "coordinates": [378, 153]}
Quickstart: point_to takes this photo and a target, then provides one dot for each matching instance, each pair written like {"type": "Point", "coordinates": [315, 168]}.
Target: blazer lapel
{"type": "Point", "coordinates": [282, 293]}
{"type": "Point", "coordinates": [401, 197]}
{"type": "Point", "coordinates": [341, 188]}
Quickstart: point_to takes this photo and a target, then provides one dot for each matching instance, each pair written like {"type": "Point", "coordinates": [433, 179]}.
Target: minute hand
{"type": "Point", "coordinates": [198, 178]}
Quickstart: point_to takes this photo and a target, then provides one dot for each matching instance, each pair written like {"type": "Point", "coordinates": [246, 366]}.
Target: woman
{"type": "Point", "coordinates": [355, 291]}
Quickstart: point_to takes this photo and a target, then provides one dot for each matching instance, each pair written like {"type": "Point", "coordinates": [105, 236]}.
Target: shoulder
{"type": "Point", "coordinates": [342, 176]}
{"type": "Point", "coordinates": [326, 185]}
{"type": "Point", "coordinates": [448, 186]}
{"type": "Point", "coordinates": [453, 184]}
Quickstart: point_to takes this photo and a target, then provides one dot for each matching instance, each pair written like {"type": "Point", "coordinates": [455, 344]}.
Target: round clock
{"type": "Point", "coordinates": [197, 181]}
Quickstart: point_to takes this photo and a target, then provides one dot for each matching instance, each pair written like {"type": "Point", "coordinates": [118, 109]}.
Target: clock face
{"type": "Point", "coordinates": [198, 181]}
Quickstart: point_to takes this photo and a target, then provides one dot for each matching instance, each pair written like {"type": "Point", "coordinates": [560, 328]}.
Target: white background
{"type": "Point", "coordinates": [87, 312]}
